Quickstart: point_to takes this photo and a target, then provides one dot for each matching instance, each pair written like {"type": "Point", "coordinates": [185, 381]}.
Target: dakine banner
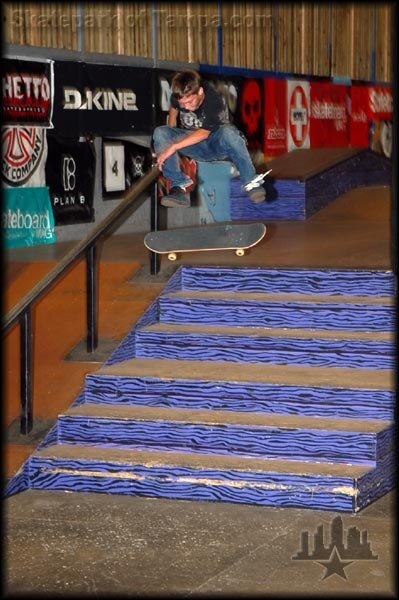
{"type": "Point", "coordinates": [94, 99]}
{"type": "Point", "coordinates": [27, 92]}
{"type": "Point", "coordinates": [70, 170]}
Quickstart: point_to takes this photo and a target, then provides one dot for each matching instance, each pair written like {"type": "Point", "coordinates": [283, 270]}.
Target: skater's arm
{"type": "Point", "coordinates": [172, 117]}
{"type": "Point", "coordinates": [194, 137]}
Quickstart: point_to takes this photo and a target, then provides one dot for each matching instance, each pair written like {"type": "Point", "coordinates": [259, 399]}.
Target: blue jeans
{"type": "Point", "coordinates": [226, 143]}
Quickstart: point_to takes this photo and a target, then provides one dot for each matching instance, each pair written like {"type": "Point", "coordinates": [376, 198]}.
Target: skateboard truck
{"type": "Point", "coordinates": [256, 181]}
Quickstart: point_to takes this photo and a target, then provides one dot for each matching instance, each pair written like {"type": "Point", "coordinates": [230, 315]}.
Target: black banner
{"type": "Point", "coordinates": [70, 170]}
{"type": "Point", "coordinates": [124, 163]}
{"type": "Point", "coordinates": [27, 92]}
{"type": "Point", "coordinates": [94, 99]}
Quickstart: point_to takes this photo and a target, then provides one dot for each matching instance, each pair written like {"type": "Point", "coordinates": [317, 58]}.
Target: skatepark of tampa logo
{"type": "Point", "coordinates": [336, 556]}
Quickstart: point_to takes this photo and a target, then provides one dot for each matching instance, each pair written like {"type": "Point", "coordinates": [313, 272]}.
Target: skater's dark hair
{"type": "Point", "coordinates": [186, 83]}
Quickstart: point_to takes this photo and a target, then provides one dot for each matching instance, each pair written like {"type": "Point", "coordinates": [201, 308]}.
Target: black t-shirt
{"type": "Point", "coordinates": [212, 113]}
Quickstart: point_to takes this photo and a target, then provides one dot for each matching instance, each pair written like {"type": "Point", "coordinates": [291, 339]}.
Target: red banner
{"type": "Point", "coordinates": [358, 116]}
{"type": "Point", "coordinates": [275, 117]}
{"type": "Point", "coordinates": [380, 103]}
{"type": "Point", "coordinates": [27, 92]}
{"type": "Point", "coordinates": [328, 115]}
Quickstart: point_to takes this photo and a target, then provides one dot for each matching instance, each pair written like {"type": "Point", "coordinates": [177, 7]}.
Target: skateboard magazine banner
{"type": "Point", "coordinates": [101, 100]}
{"type": "Point", "coordinates": [28, 92]}
{"type": "Point", "coordinates": [70, 172]}
{"type": "Point", "coordinates": [328, 115]}
{"type": "Point", "coordinates": [27, 217]}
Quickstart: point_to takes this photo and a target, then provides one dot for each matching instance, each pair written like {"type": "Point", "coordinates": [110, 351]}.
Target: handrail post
{"type": "Point", "coordinates": [154, 217]}
{"type": "Point", "coordinates": [26, 337]}
{"type": "Point", "coordinates": [91, 298]}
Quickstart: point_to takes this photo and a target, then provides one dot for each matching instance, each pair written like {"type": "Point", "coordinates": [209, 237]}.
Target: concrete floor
{"type": "Point", "coordinates": [69, 544]}
{"type": "Point", "coordinates": [60, 543]}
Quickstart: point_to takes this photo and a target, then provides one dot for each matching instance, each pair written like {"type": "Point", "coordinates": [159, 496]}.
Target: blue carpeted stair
{"type": "Point", "coordinates": [248, 385]}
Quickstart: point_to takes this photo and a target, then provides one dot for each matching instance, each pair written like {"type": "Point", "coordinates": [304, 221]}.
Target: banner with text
{"type": "Point", "coordinates": [23, 156]}
{"type": "Point", "coordinates": [328, 115]}
{"type": "Point", "coordinates": [27, 218]}
{"type": "Point", "coordinates": [28, 92]}
{"type": "Point", "coordinates": [70, 172]}
{"type": "Point", "coordinates": [275, 111]}
{"type": "Point", "coordinates": [98, 99]}
{"type": "Point", "coordinates": [123, 164]}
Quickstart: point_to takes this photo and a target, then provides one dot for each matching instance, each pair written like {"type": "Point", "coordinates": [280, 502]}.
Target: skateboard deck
{"type": "Point", "coordinates": [205, 238]}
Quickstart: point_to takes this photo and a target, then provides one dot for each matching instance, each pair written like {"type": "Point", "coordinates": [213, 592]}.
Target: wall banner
{"type": "Point", "coordinates": [249, 116]}
{"type": "Point", "coordinates": [28, 92]}
{"type": "Point", "coordinates": [23, 156]}
{"type": "Point", "coordinates": [27, 217]}
{"type": "Point", "coordinates": [124, 162]}
{"type": "Point", "coordinates": [275, 111]}
{"type": "Point", "coordinates": [298, 96]}
{"type": "Point", "coordinates": [329, 114]}
{"type": "Point", "coordinates": [97, 99]}
{"type": "Point", "coordinates": [380, 102]}
{"type": "Point", "coordinates": [70, 173]}
{"type": "Point", "coordinates": [358, 116]}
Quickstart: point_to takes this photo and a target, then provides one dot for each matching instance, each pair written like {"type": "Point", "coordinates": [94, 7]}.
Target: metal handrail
{"type": "Point", "coordinates": [22, 310]}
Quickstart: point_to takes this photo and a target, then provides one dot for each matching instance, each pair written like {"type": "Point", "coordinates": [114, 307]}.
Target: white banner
{"type": "Point", "coordinates": [23, 156]}
{"type": "Point", "coordinates": [298, 114]}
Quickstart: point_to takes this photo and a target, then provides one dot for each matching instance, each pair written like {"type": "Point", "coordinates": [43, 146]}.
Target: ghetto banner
{"type": "Point", "coordinates": [28, 92]}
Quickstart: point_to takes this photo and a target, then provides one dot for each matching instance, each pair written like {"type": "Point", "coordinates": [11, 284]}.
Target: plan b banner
{"type": "Point", "coordinates": [94, 99]}
{"type": "Point", "coordinates": [28, 90]}
{"type": "Point", "coordinates": [70, 170]}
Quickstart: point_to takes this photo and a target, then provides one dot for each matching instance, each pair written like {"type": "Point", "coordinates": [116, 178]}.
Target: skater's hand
{"type": "Point", "coordinates": [164, 156]}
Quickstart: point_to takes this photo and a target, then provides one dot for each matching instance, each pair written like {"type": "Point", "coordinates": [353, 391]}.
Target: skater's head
{"type": "Point", "coordinates": [188, 90]}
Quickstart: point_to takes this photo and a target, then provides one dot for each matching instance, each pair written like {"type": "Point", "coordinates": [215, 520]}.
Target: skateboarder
{"type": "Point", "coordinates": [204, 134]}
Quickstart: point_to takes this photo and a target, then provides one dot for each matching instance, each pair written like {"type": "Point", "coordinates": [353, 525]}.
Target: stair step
{"type": "Point", "coordinates": [361, 313]}
{"type": "Point", "coordinates": [196, 477]}
{"type": "Point", "coordinates": [226, 432]}
{"type": "Point", "coordinates": [328, 334]}
{"type": "Point", "coordinates": [357, 349]}
{"type": "Point", "coordinates": [319, 391]}
{"type": "Point", "coordinates": [287, 280]}
{"type": "Point", "coordinates": [284, 297]}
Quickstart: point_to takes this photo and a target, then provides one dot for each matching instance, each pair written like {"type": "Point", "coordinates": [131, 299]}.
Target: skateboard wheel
{"type": "Point", "coordinates": [172, 256]}
{"type": "Point", "coordinates": [240, 252]}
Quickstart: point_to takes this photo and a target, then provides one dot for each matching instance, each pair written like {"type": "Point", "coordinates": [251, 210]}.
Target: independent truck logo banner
{"type": "Point", "coordinates": [23, 156]}
{"type": "Point", "coordinates": [28, 87]}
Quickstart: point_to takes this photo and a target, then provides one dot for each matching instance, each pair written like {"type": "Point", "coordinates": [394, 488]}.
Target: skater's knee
{"type": "Point", "coordinates": [229, 134]}
{"type": "Point", "coordinates": [161, 134]}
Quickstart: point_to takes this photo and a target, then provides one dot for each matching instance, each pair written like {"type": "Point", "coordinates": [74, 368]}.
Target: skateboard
{"type": "Point", "coordinates": [205, 238]}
